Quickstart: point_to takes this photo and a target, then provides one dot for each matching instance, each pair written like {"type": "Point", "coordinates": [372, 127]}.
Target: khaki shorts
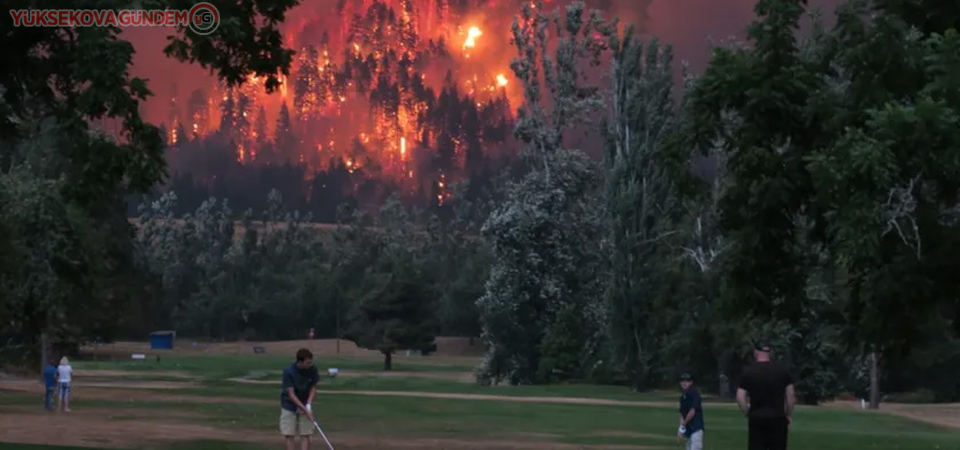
{"type": "Point", "coordinates": [295, 424]}
{"type": "Point", "coordinates": [696, 441]}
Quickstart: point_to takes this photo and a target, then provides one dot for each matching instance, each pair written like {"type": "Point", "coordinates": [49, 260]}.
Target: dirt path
{"type": "Point", "coordinates": [506, 398]}
{"type": "Point", "coordinates": [945, 415]}
{"type": "Point", "coordinates": [88, 428]}
{"type": "Point", "coordinates": [81, 373]}
{"type": "Point", "coordinates": [461, 377]}
{"type": "Point", "coordinates": [141, 391]}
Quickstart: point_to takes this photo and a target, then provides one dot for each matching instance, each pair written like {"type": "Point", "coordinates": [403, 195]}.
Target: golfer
{"type": "Point", "coordinates": [766, 397]}
{"type": "Point", "coordinates": [64, 378]}
{"type": "Point", "coordinates": [299, 387]}
{"type": "Point", "coordinates": [691, 414]}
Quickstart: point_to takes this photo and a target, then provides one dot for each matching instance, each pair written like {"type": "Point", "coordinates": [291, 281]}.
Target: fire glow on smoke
{"type": "Point", "coordinates": [372, 86]}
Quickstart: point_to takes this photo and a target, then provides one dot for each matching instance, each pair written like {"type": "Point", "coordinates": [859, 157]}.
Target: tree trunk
{"type": "Point", "coordinates": [874, 380]}
{"type": "Point", "coordinates": [338, 325]}
{"type": "Point", "coordinates": [44, 352]}
{"type": "Point", "coordinates": [724, 390]}
{"type": "Point", "coordinates": [387, 360]}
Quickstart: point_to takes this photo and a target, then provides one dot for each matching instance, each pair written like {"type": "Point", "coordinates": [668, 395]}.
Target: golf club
{"type": "Point", "coordinates": [329, 445]}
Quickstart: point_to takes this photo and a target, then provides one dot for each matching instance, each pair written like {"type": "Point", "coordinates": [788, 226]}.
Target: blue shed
{"type": "Point", "coordinates": [162, 339]}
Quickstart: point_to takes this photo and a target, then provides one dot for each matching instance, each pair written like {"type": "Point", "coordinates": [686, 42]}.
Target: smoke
{"type": "Point", "coordinates": [688, 25]}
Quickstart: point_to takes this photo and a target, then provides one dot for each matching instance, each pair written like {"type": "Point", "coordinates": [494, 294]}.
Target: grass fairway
{"type": "Point", "coordinates": [356, 420]}
{"type": "Point", "coordinates": [230, 402]}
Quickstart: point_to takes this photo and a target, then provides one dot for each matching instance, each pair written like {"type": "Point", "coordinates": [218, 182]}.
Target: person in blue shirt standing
{"type": "Point", "coordinates": [299, 387]}
{"type": "Point", "coordinates": [50, 380]}
{"type": "Point", "coordinates": [691, 414]}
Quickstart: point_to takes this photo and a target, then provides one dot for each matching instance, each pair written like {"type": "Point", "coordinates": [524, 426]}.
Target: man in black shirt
{"type": "Point", "coordinates": [766, 397]}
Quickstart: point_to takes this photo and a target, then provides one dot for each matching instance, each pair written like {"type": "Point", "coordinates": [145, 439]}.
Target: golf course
{"type": "Point", "coordinates": [225, 396]}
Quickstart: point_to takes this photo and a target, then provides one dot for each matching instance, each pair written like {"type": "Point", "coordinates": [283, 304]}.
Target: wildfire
{"type": "Point", "coordinates": [358, 95]}
{"type": "Point", "coordinates": [472, 34]}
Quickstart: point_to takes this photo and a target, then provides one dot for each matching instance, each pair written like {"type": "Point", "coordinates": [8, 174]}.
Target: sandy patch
{"type": "Point", "coordinates": [460, 377]}
{"type": "Point", "coordinates": [449, 349]}
{"type": "Point", "coordinates": [82, 429]}
{"type": "Point", "coordinates": [131, 374]}
{"type": "Point", "coordinates": [141, 391]}
{"type": "Point", "coordinates": [78, 395]}
{"type": "Point", "coordinates": [504, 398]}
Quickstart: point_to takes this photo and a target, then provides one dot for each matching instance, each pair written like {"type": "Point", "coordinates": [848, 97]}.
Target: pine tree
{"type": "Point", "coordinates": [285, 142]}
{"type": "Point", "coordinates": [306, 84]}
{"type": "Point", "coordinates": [259, 134]}
{"type": "Point", "coordinates": [228, 111]}
{"type": "Point", "coordinates": [198, 114]}
{"type": "Point", "coordinates": [327, 91]}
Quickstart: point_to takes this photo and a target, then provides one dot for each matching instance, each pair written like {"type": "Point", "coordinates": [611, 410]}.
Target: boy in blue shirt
{"type": "Point", "coordinates": [691, 414]}
{"type": "Point", "coordinates": [299, 388]}
{"type": "Point", "coordinates": [50, 380]}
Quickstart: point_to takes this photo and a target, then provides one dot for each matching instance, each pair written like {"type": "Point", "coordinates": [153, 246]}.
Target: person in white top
{"type": "Point", "coordinates": [64, 378]}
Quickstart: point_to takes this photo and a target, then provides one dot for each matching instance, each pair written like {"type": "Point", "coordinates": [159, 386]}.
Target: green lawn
{"type": "Point", "coordinates": [215, 370]}
{"type": "Point", "coordinates": [814, 429]}
{"type": "Point", "coordinates": [421, 417]}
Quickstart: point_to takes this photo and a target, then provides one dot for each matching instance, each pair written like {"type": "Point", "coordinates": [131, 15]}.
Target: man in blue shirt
{"type": "Point", "coordinates": [299, 387]}
{"type": "Point", "coordinates": [50, 380]}
{"type": "Point", "coordinates": [691, 414]}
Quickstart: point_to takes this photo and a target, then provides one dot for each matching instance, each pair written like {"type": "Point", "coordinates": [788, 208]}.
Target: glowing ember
{"type": "Point", "coordinates": [472, 34]}
{"type": "Point", "coordinates": [501, 80]}
{"type": "Point", "coordinates": [403, 146]}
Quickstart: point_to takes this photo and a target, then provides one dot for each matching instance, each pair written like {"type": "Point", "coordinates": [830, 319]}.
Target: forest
{"type": "Point", "coordinates": [828, 222]}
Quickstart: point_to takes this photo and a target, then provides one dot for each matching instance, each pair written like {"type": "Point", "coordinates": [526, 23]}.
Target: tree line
{"type": "Point", "coordinates": [828, 222]}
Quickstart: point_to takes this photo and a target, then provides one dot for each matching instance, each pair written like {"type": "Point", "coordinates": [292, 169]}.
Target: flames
{"type": "Point", "coordinates": [472, 34]}
{"type": "Point", "coordinates": [372, 86]}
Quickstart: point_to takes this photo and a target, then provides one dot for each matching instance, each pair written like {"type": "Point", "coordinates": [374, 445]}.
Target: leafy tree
{"type": "Point", "coordinates": [396, 315]}
{"type": "Point", "coordinates": [396, 305]}
{"type": "Point", "coordinates": [541, 314]}
{"type": "Point", "coordinates": [890, 211]}
{"type": "Point", "coordinates": [643, 204]}
{"type": "Point", "coordinates": [79, 76]}
{"type": "Point", "coordinates": [824, 190]}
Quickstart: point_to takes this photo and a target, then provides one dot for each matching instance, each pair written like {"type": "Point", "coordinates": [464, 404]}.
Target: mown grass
{"type": "Point", "coordinates": [386, 416]}
{"type": "Point", "coordinates": [216, 370]}
{"type": "Point", "coordinates": [218, 367]}
{"type": "Point", "coordinates": [400, 417]}
{"type": "Point", "coordinates": [441, 386]}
